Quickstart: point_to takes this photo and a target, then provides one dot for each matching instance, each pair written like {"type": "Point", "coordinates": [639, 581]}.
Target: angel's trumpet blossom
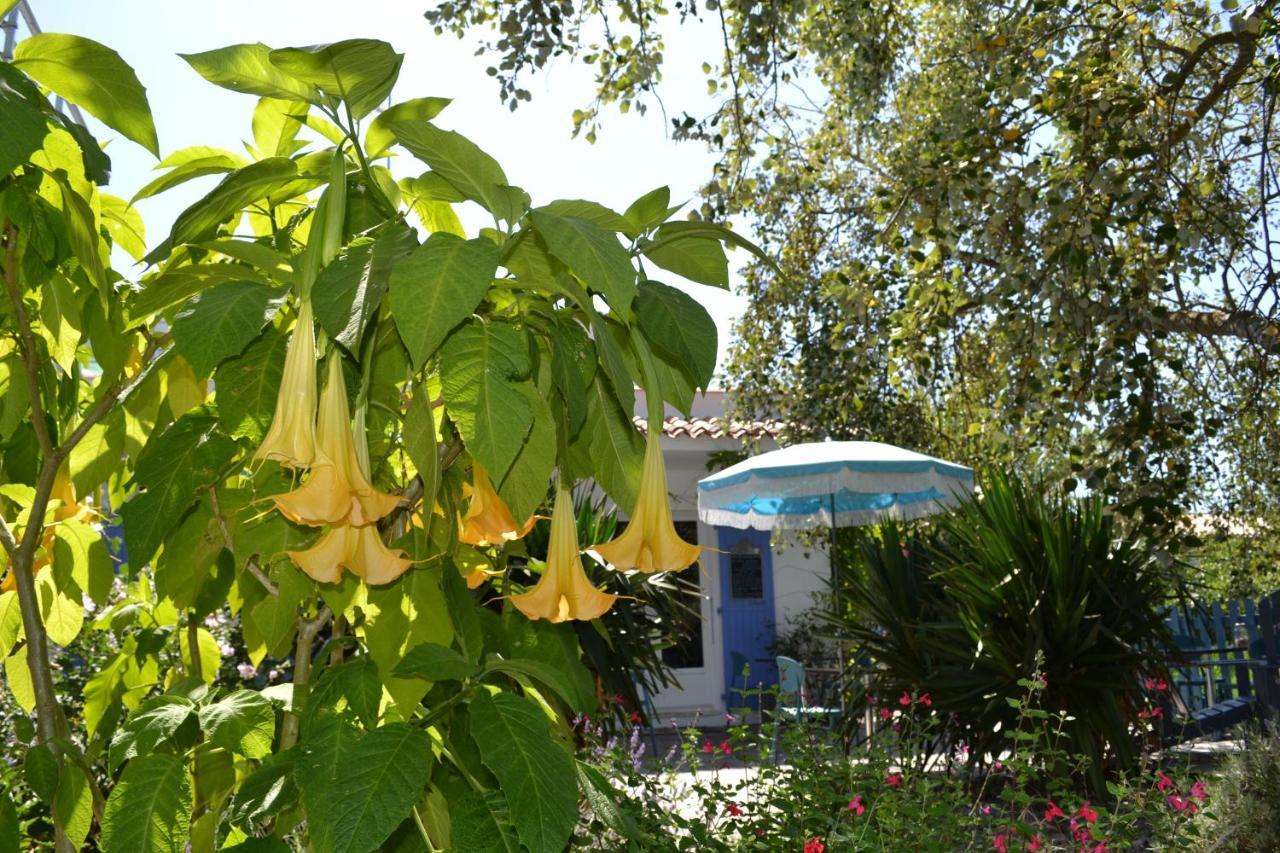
{"type": "Point", "coordinates": [488, 521]}
{"type": "Point", "coordinates": [650, 542]}
{"type": "Point", "coordinates": [564, 591]}
{"type": "Point", "coordinates": [338, 490]}
{"type": "Point", "coordinates": [291, 440]}
{"type": "Point", "coordinates": [359, 550]}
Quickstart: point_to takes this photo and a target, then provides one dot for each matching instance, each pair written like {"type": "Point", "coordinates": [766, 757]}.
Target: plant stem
{"type": "Point", "coordinates": [301, 676]}
{"type": "Point", "coordinates": [193, 647]}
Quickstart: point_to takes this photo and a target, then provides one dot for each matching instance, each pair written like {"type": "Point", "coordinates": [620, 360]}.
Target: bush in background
{"type": "Point", "coordinates": [963, 609]}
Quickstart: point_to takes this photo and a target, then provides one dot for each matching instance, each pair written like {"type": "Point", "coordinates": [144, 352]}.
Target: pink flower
{"type": "Point", "coordinates": [726, 748]}
{"type": "Point", "coordinates": [1181, 804]}
{"type": "Point", "coordinates": [1100, 847]}
{"type": "Point", "coordinates": [1089, 815]}
{"type": "Point", "coordinates": [246, 670]}
{"type": "Point", "coordinates": [729, 718]}
{"type": "Point", "coordinates": [1153, 714]}
{"type": "Point", "coordinates": [1001, 843]}
{"type": "Point", "coordinates": [814, 845]}
{"type": "Point", "coordinates": [1157, 685]}
{"type": "Point", "coordinates": [925, 700]}
{"type": "Point", "coordinates": [1034, 844]}
{"type": "Point", "coordinates": [1199, 792]}
{"type": "Point", "coordinates": [734, 810]}
{"type": "Point", "coordinates": [1165, 783]}
{"type": "Point", "coordinates": [986, 810]}
{"type": "Point", "coordinates": [1053, 812]}
{"type": "Point", "coordinates": [856, 806]}
{"type": "Point", "coordinates": [893, 780]}
{"type": "Point", "coordinates": [905, 552]}
{"type": "Point", "coordinates": [905, 699]}
{"type": "Point", "coordinates": [1043, 679]}
{"type": "Point", "coordinates": [886, 714]}
{"type": "Point", "coordinates": [997, 766]}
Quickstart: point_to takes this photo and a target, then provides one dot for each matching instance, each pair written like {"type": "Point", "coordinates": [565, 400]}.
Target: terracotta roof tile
{"type": "Point", "coordinates": [678, 427]}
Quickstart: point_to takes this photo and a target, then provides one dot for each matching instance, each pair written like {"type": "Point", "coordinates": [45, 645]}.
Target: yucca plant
{"type": "Point", "coordinates": [965, 607]}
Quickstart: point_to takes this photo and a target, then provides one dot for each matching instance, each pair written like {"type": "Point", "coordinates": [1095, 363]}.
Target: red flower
{"type": "Point", "coordinates": [1199, 792]}
{"type": "Point", "coordinates": [905, 699]}
{"type": "Point", "coordinates": [1001, 843]}
{"type": "Point", "coordinates": [1153, 714]}
{"type": "Point", "coordinates": [856, 806]}
{"type": "Point", "coordinates": [1053, 812]}
{"type": "Point", "coordinates": [1165, 782]}
{"type": "Point", "coordinates": [894, 779]}
{"type": "Point", "coordinates": [1089, 815]}
{"type": "Point", "coordinates": [734, 810]}
{"type": "Point", "coordinates": [1158, 685]}
{"type": "Point", "coordinates": [725, 747]}
{"type": "Point", "coordinates": [925, 700]}
{"type": "Point", "coordinates": [1083, 835]}
{"type": "Point", "coordinates": [814, 845]}
{"type": "Point", "coordinates": [1034, 844]}
{"type": "Point", "coordinates": [1043, 679]}
{"type": "Point", "coordinates": [636, 718]}
{"type": "Point", "coordinates": [1100, 847]}
{"type": "Point", "coordinates": [886, 714]}
{"type": "Point", "coordinates": [1181, 804]}
{"type": "Point", "coordinates": [706, 745]}
{"type": "Point", "coordinates": [617, 698]}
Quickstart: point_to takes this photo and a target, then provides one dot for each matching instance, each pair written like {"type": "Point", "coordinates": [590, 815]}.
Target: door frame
{"type": "Point", "coordinates": [727, 538]}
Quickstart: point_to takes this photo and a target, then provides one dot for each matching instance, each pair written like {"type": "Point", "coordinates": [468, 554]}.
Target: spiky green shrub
{"type": "Point", "coordinates": [962, 609]}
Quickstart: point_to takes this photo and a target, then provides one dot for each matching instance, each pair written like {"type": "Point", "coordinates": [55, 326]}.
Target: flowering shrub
{"type": "Point", "coordinates": [791, 786]}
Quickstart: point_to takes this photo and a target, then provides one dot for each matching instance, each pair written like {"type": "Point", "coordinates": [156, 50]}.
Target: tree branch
{"type": "Point", "coordinates": [1245, 325]}
{"type": "Point", "coordinates": [26, 340]}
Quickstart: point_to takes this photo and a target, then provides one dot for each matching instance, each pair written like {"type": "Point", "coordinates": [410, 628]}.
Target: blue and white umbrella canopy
{"type": "Point", "coordinates": [798, 487]}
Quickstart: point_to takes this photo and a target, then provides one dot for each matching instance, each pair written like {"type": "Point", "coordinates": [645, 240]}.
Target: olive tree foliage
{"type": "Point", "coordinates": [1032, 233]}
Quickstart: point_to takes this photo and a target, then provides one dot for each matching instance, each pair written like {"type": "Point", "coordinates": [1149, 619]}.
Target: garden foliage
{"type": "Point", "coordinates": [328, 411]}
{"type": "Point", "coordinates": [964, 609]}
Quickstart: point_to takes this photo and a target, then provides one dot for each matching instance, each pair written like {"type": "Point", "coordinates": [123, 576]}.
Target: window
{"type": "Point", "coordinates": [746, 572]}
{"type": "Point", "coordinates": [687, 653]}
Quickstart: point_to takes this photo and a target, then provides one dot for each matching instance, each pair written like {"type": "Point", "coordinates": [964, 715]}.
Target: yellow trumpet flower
{"type": "Point", "coordinates": [360, 550]}
{"type": "Point", "coordinates": [564, 591]}
{"type": "Point", "coordinates": [488, 520]}
{"type": "Point", "coordinates": [650, 542]}
{"type": "Point", "coordinates": [291, 439]}
{"type": "Point", "coordinates": [338, 490]}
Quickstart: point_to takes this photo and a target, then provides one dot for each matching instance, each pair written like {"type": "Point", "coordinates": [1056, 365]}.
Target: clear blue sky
{"type": "Point", "coordinates": [632, 156]}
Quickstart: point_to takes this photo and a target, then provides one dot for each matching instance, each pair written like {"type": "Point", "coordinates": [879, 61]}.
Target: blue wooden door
{"type": "Point", "coordinates": [746, 610]}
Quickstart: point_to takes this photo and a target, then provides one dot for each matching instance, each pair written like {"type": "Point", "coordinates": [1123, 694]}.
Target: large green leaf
{"type": "Point", "coordinates": [700, 259]}
{"type": "Point", "coordinates": [178, 284]}
{"type": "Point", "coordinates": [479, 364]}
{"type": "Point", "coordinates": [355, 802]}
{"type": "Point", "coordinates": [354, 683]}
{"type": "Point", "coordinates": [247, 68]}
{"type": "Point", "coordinates": [247, 386]}
{"type": "Point", "coordinates": [593, 254]}
{"type": "Point", "coordinates": [378, 138]}
{"type": "Point", "coordinates": [93, 76]}
{"type": "Point", "coordinates": [592, 212]}
{"type": "Point", "coordinates": [554, 648]}
{"type": "Point", "coordinates": [421, 442]}
{"type": "Point", "coordinates": [434, 662]}
{"type": "Point", "coordinates": [461, 162]}
{"type": "Point", "coordinates": [243, 722]}
{"type": "Point", "coordinates": [73, 804]}
{"type": "Point", "coordinates": [124, 224]}
{"type": "Point", "coordinates": [190, 454]}
{"type": "Point", "coordinates": [221, 321]}
{"type": "Point", "coordinates": [267, 791]}
{"type": "Point", "coordinates": [676, 324]}
{"type": "Point", "coordinates": [349, 290]}
{"type": "Point", "coordinates": [617, 451]}
{"type": "Point", "coordinates": [650, 209]}
{"type": "Point", "coordinates": [199, 160]}
{"type": "Point", "coordinates": [524, 488]}
{"type": "Point", "coordinates": [360, 72]}
{"type": "Point", "coordinates": [481, 822]}
{"type": "Point", "coordinates": [82, 228]}
{"type": "Point", "coordinates": [242, 187]}
{"type": "Point", "coordinates": [24, 127]}
{"type": "Point", "coordinates": [81, 555]}
{"type": "Point", "coordinates": [149, 809]}
{"type": "Point", "coordinates": [536, 773]}
{"type": "Point", "coordinates": [573, 364]}
{"type": "Point", "coordinates": [153, 722]}
{"type": "Point", "coordinates": [10, 830]}
{"type": "Point", "coordinates": [437, 287]}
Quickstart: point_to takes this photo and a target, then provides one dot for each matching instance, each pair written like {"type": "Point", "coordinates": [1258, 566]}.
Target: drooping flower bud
{"type": "Point", "coordinates": [291, 439]}
{"type": "Point", "coordinates": [360, 550]}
